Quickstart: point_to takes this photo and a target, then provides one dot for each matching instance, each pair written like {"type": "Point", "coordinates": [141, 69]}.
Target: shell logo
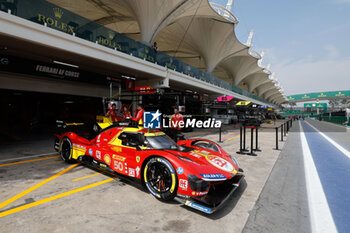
{"type": "Point", "coordinates": [107, 159]}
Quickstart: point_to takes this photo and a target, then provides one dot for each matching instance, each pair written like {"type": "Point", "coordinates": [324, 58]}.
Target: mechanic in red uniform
{"type": "Point", "coordinates": [126, 113]}
{"type": "Point", "coordinates": [175, 119]}
{"type": "Point", "coordinates": [112, 113]}
{"type": "Point", "coordinates": [139, 115]}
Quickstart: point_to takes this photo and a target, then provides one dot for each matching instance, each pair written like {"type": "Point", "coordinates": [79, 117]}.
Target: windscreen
{"type": "Point", "coordinates": [161, 142]}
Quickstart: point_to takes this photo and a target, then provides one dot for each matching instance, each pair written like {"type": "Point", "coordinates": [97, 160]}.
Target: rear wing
{"type": "Point", "coordinates": [62, 124]}
{"type": "Point", "coordinates": [104, 121]}
{"type": "Point", "coordinates": [63, 127]}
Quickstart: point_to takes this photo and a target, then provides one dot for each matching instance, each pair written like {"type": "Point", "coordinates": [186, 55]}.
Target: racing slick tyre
{"type": "Point", "coordinates": [66, 150]}
{"type": "Point", "coordinates": [160, 178]}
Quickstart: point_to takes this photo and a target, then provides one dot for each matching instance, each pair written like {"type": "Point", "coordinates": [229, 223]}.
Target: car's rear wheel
{"type": "Point", "coordinates": [67, 150]}
{"type": "Point", "coordinates": [160, 178]}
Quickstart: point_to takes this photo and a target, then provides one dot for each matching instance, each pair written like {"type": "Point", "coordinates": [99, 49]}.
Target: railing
{"type": "Point", "coordinates": [50, 15]}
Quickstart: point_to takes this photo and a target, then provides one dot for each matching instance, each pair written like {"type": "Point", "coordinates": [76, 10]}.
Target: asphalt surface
{"type": "Point", "coordinates": [282, 205]}
{"type": "Point", "coordinates": [290, 204]}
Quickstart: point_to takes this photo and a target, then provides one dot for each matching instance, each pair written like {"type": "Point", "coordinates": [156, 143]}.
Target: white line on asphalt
{"type": "Point", "coordinates": [339, 147]}
{"type": "Point", "coordinates": [320, 215]}
{"type": "Point", "coordinates": [25, 157]}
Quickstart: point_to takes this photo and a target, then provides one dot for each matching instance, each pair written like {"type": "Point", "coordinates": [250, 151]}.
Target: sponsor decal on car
{"type": "Point", "coordinates": [198, 207]}
{"type": "Point", "coordinates": [216, 176]}
{"type": "Point", "coordinates": [180, 170]}
{"type": "Point", "coordinates": [90, 152]}
{"type": "Point", "coordinates": [107, 159]}
{"type": "Point", "coordinates": [196, 155]}
{"type": "Point", "coordinates": [137, 169]}
{"type": "Point", "coordinates": [132, 172]}
{"type": "Point", "coordinates": [183, 184]}
{"type": "Point", "coordinates": [126, 168]}
{"type": "Point", "coordinates": [118, 157]}
{"type": "Point", "coordinates": [79, 146]}
{"type": "Point", "coordinates": [98, 138]}
{"type": "Point", "coordinates": [220, 163]}
{"type": "Point", "coordinates": [118, 166]}
{"type": "Point", "coordinates": [98, 154]}
{"type": "Point", "coordinates": [200, 193]}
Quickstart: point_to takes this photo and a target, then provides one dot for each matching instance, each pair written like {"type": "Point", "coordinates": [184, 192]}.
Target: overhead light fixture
{"type": "Point", "coordinates": [128, 77]}
{"type": "Point", "coordinates": [65, 64]}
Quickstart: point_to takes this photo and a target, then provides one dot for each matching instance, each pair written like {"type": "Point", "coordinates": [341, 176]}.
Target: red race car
{"type": "Point", "coordinates": [197, 173]}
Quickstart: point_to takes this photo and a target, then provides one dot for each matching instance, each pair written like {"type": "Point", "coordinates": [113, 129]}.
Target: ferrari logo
{"type": "Point", "coordinates": [138, 159]}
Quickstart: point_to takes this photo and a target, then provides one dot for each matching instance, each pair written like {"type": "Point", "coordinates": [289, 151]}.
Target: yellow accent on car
{"type": "Point", "coordinates": [144, 173]}
{"type": "Point", "coordinates": [154, 134]}
{"type": "Point", "coordinates": [104, 119]}
{"type": "Point", "coordinates": [68, 124]}
{"type": "Point", "coordinates": [104, 125]}
{"type": "Point", "coordinates": [173, 182]}
{"type": "Point", "coordinates": [77, 152]}
{"type": "Point", "coordinates": [234, 171]}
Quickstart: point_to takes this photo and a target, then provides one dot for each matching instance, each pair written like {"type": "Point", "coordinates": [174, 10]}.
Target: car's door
{"type": "Point", "coordinates": [130, 166]}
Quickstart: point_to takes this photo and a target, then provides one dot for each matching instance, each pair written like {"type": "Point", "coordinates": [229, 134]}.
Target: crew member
{"type": "Point", "coordinates": [139, 115]}
{"type": "Point", "coordinates": [126, 113]}
{"type": "Point", "coordinates": [112, 113]}
{"type": "Point", "coordinates": [175, 119]}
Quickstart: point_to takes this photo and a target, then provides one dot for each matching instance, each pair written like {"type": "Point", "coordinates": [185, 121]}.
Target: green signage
{"type": "Point", "coordinates": [315, 105]}
{"type": "Point", "coordinates": [319, 95]}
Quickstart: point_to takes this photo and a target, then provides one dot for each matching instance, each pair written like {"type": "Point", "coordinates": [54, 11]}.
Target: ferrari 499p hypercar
{"type": "Point", "coordinates": [197, 173]}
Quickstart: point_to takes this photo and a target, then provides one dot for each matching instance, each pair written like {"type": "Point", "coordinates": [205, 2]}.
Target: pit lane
{"type": "Point", "coordinates": [39, 192]}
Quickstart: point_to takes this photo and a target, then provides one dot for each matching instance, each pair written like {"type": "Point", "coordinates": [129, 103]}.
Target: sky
{"type": "Point", "coordinates": [307, 42]}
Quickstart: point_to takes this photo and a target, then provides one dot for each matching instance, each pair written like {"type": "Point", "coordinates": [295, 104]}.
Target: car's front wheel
{"type": "Point", "coordinates": [66, 150]}
{"type": "Point", "coordinates": [160, 178]}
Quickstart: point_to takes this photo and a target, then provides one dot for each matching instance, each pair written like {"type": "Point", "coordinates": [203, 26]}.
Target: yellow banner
{"type": "Point", "coordinates": [244, 103]}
